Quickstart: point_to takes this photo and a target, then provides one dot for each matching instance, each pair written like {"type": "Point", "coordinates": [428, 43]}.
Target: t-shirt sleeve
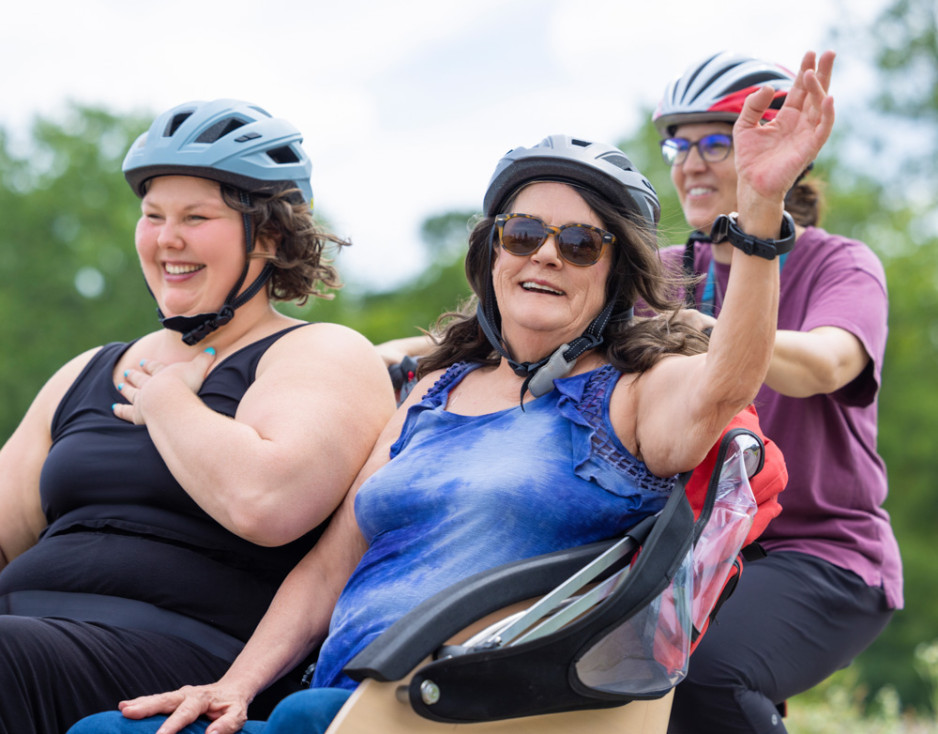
{"type": "Point", "coordinates": [849, 292]}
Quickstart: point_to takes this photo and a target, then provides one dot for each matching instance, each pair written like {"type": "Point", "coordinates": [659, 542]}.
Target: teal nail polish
{"type": "Point", "coordinates": [211, 350]}
{"type": "Point", "coordinates": [113, 406]}
{"type": "Point", "coordinates": [126, 372]}
{"type": "Point", "coordinates": [120, 387]}
{"type": "Point", "coordinates": [142, 361]}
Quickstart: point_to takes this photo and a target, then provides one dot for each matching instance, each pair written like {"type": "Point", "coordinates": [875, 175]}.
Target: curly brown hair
{"type": "Point", "coordinates": [630, 344]}
{"type": "Point", "coordinates": [301, 268]}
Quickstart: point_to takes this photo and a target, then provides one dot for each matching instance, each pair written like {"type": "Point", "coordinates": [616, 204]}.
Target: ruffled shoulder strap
{"type": "Point", "coordinates": [434, 399]}
{"type": "Point", "coordinates": [600, 455]}
{"type": "Point", "coordinates": [437, 394]}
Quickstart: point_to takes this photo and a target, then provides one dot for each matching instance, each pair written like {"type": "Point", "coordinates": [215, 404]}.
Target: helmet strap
{"type": "Point", "coordinates": [687, 264]}
{"type": "Point", "coordinates": [195, 328]}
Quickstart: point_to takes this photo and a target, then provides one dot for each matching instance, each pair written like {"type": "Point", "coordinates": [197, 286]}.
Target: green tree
{"type": "Point", "coordinates": [416, 304]}
{"type": "Point", "coordinates": [885, 197]}
{"type": "Point", "coordinates": [69, 277]}
{"type": "Point", "coordinates": [904, 41]}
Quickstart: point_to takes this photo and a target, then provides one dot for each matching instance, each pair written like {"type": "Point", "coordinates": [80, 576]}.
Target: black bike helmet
{"type": "Point", "coordinates": [234, 143]}
{"type": "Point", "coordinates": [595, 166]}
{"type": "Point", "coordinates": [714, 90]}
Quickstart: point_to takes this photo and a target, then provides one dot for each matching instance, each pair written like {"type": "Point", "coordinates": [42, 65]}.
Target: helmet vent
{"type": "Point", "coordinates": [175, 122]}
{"type": "Point", "coordinates": [708, 87]}
{"type": "Point", "coordinates": [283, 154]}
{"type": "Point", "coordinates": [581, 143]}
{"type": "Point", "coordinates": [220, 129]}
{"type": "Point", "coordinates": [224, 140]}
{"type": "Point", "coordinates": [750, 80]}
{"type": "Point", "coordinates": [618, 160]}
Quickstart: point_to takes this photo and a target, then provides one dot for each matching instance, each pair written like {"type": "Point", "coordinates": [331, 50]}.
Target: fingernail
{"type": "Point", "coordinates": [142, 361]}
{"type": "Point", "coordinates": [211, 350]}
{"type": "Point", "coordinates": [113, 406]}
{"type": "Point", "coordinates": [126, 372]}
{"type": "Point", "coordinates": [120, 387]}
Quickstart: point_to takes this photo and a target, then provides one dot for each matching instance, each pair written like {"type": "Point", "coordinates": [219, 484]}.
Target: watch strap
{"type": "Point", "coordinates": [725, 227]}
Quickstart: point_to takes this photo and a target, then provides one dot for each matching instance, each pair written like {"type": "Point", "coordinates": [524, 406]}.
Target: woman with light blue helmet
{"type": "Point", "coordinates": [158, 491]}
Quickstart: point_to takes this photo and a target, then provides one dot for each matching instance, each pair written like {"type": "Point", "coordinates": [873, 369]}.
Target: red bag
{"type": "Point", "coordinates": [766, 484]}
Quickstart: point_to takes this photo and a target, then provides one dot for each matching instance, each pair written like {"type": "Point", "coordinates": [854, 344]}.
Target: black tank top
{"type": "Point", "coordinates": [120, 525]}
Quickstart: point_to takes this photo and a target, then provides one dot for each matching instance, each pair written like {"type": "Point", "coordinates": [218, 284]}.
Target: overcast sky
{"type": "Point", "coordinates": [406, 106]}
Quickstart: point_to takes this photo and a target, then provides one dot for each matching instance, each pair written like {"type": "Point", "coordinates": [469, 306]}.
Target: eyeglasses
{"type": "Point", "coordinates": [578, 244]}
{"type": "Point", "coordinates": [712, 148]}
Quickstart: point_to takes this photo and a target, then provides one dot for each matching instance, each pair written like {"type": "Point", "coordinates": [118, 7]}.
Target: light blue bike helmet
{"type": "Point", "coordinates": [225, 140]}
{"type": "Point", "coordinates": [232, 142]}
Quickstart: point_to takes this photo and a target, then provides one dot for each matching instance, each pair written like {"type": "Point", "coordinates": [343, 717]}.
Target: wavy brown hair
{"type": "Point", "coordinates": [630, 344]}
{"type": "Point", "coordinates": [301, 268]}
{"type": "Point", "coordinates": [805, 202]}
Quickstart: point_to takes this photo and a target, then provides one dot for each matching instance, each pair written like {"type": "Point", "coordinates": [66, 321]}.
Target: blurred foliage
{"type": "Point", "coordinates": [887, 200]}
{"type": "Point", "coordinates": [843, 704]}
{"type": "Point", "coordinates": [905, 43]}
{"type": "Point", "coordinates": [413, 306]}
{"type": "Point", "coordinates": [69, 278]}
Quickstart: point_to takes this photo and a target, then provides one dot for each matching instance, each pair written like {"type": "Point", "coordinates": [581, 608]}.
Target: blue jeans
{"type": "Point", "coordinates": [304, 712]}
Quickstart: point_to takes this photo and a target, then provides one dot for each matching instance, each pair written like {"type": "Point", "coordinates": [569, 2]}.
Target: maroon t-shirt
{"type": "Point", "coordinates": [832, 507]}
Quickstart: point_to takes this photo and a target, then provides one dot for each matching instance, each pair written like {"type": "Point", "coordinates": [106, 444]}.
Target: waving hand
{"type": "Point", "coordinates": [771, 156]}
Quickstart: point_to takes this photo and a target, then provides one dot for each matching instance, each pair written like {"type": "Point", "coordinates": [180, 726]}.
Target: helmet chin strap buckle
{"type": "Point", "coordinates": [554, 368]}
{"type": "Point", "coordinates": [195, 328]}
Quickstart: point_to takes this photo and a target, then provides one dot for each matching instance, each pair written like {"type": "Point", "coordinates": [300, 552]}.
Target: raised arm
{"type": "Point", "coordinates": [301, 432]}
{"type": "Point", "coordinates": [683, 403]}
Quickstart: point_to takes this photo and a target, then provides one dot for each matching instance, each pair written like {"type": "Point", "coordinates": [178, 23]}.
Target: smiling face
{"type": "Point", "coordinates": [545, 301]}
{"type": "Point", "coordinates": [190, 244]}
{"type": "Point", "coordinates": [705, 190]}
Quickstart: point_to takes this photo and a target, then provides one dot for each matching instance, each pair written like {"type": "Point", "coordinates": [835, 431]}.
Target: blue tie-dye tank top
{"type": "Point", "coordinates": [463, 494]}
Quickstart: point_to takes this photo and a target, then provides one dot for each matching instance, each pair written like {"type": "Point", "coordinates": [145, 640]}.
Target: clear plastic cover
{"type": "Point", "coordinates": [724, 534]}
{"type": "Point", "coordinates": [648, 653]}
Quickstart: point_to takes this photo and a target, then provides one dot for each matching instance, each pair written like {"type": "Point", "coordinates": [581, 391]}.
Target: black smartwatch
{"type": "Point", "coordinates": [726, 228]}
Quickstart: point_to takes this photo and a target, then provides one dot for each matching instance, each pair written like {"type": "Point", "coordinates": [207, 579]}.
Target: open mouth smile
{"type": "Point", "coordinates": [533, 287]}
{"type": "Point", "coordinates": [173, 269]}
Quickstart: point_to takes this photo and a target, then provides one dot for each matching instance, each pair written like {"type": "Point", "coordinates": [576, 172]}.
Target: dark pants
{"type": "Point", "coordinates": [53, 671]}
{"type": "Point", "coordinates": [791, 622]}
